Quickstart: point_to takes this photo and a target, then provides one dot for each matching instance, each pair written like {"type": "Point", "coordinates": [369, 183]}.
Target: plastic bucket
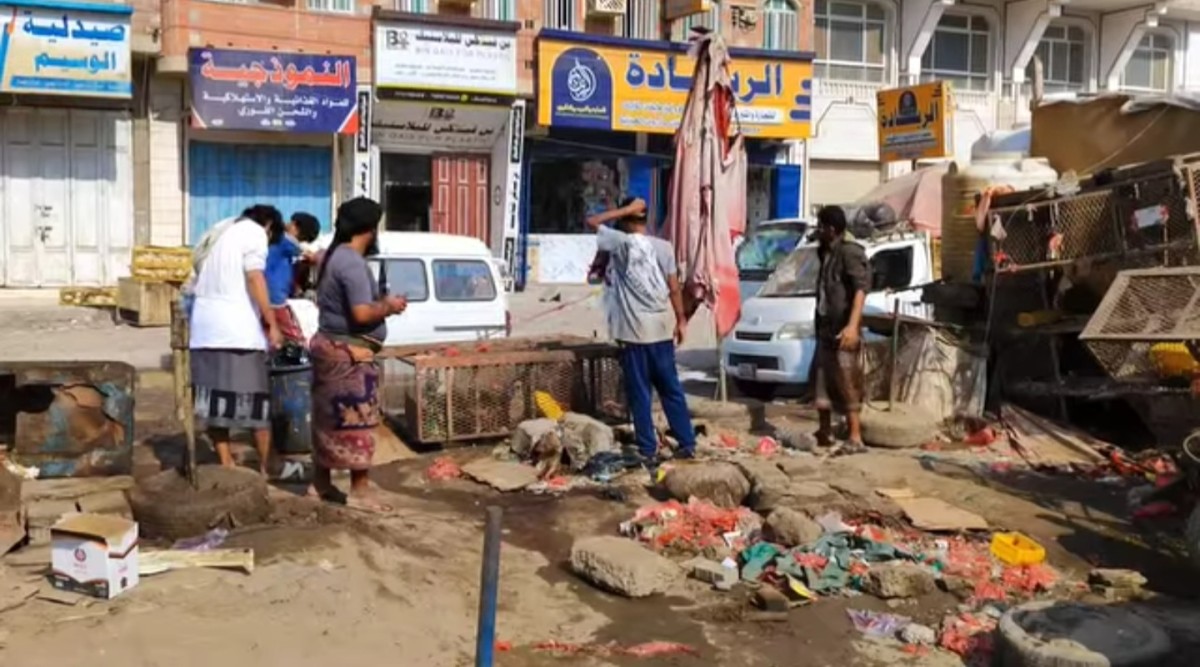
{"type": "Point", "coordinates": [291, 408]}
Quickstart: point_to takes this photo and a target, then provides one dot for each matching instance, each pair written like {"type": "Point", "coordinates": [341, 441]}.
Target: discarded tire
{"type": "Point", "coordinates": [167, 507]}
{"type": "Point", "coordinates": [1070, 634]}
{"type": "Point", "coordinates": [901, 427]}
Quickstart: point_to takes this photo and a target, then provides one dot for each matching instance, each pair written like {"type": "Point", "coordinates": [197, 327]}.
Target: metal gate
{"type": "Point", "coordinates": [225, 179]}
{"type": "Point", "coordinates": [66, 197]}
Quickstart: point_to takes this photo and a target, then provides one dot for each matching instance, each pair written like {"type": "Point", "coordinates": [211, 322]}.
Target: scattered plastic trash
{"type": "Point", "coordinates": [730, 441]}
{"type": "Point", "coordinates": [692, 526]}
{"type": "Point", "coordinates": [24, 472]}
{"type": "Point", "coordinates": [767, 446]}
{"type": "Point", "coordinates": [443, 468]}
{"type": "Point", "coordinates": [876, 623]}
{"type": "Point", "coordinates": [644, 650]}
{"type": "Point", "coordinates": [1017, 549]}
{"type": "Point", "coordinates": [206, 542]}
{"type": "Point", "coordinates": [981, 438]}
{"type": "Point", "coordinates": [546, 405]}
{"type": "Point", "coordinates": [603, 467]}
{"type": "Point", "coordinates": [832, 523]}
{"type": "Point", "coordinates": [968, 635]}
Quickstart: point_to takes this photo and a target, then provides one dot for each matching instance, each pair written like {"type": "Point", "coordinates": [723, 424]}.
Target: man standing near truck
{"type": "Point", "coordinates": [644, 308]}
{"type": "Point", "coordinates": [837, 373]}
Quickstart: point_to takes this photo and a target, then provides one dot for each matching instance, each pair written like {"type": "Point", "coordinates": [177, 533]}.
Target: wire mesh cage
{"type": "Point", "coordinates": [1147, 325]}
{"type": "Point", "coordinates": [456, 396]}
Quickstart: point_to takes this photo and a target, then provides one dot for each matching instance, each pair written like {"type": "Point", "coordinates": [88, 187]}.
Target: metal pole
{"type": "Point", "coordinates": [895, 353]}
{"type": "Point", "coordinates": [489, 584]}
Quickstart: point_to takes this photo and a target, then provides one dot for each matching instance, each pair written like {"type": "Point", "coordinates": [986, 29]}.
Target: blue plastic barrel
{"type": "Point", "coordinates": [291, 408]}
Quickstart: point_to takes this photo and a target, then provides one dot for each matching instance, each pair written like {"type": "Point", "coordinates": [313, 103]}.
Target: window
{"type": "Point", "coordinates": [1150, 68]}
{"type": "Point", "coordinates": [499, 10]}
{"type": "Point", "coordinates": [641, 20]}
{"type": "Point", "coordinates": [463, 280]}
{"type": "Point", "coordinates": [414, 6]}
{"type": "Point", "coordinates": [891, 269]}
{"type": "Point", "coordinates": [958, 52]}
{"type": "Point", "coordinates": [559, 14]}
{"type": "Point", "coordinates": [406, 278]}
{"type": "Point", "coordinates": [795, 276]}
{"type": "Point", "coordinates": [849, 40]}
{"type": "Point", "coordinates": [1064, 54]}
{"type": "Point", "coordinates": [343, 6]}
{"type": "Point", "coordinates": [710, 19]}
{"type": "Point", "coordinates": [781, 25]}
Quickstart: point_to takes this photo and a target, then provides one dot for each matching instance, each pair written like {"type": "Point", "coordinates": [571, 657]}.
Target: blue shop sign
{"type": "Point", "coordinates": [281, 92]}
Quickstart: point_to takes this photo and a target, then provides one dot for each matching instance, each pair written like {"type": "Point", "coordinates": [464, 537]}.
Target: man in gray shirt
{"type": "Point", "coordinates": [644, 308]}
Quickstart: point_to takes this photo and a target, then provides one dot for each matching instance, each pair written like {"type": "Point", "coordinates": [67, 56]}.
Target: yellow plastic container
{"type": "Point", "coordinates": [1017, 549]}
{"type": "Point", "coordinates": [546, 404]}
{"type": "Point", "coordinates": [1172, 360]}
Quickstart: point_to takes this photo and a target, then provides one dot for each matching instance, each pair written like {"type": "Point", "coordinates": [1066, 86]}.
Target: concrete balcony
{"type": "Point", "coordinates": [283, 26]}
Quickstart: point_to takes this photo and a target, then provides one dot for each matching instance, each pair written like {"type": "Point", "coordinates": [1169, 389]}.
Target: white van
{"type": "Point", "coordinates": [774, 340]}
{"type": "Point", "coordinates": [454, 287]}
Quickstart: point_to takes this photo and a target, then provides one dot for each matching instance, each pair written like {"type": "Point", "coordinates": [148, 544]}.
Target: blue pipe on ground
{"type": "Point", "coordinates": [489, 582]}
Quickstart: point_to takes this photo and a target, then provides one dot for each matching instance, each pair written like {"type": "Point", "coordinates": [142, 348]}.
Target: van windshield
{"type": "Point", "coordinates": [795, 276]}
{"type": "Point", "coordinates": [765, 248]}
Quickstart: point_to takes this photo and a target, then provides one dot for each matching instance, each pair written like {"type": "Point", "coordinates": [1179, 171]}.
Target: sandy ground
{"type": "Point", "coordinates": [336, 587]}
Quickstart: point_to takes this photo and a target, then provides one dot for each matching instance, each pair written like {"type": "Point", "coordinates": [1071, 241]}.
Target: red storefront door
{"type": "Point", "coordinates": [460, 195]}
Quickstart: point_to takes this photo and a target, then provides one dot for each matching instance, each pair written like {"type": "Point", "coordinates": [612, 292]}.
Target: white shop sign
{"type": "Point", "coordinates": [423, 61]}
{"type": "Point", "coordinates": [438, 126]}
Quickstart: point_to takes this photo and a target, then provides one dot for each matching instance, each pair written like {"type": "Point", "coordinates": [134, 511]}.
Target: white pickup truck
{"type": "Point", "coordinates": [774, 340]}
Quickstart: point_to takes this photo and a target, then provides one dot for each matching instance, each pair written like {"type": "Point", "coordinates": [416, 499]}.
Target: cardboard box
{"type": "Point", "coordinates": [94, 554]}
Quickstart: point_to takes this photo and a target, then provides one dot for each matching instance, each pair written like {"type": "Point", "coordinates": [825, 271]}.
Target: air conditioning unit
{"type": "Point", "coordinates": [607, 7]}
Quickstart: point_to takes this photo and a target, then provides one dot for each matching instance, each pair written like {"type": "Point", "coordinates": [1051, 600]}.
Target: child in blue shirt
{"type": "Point", "coordinates": [285, 249]}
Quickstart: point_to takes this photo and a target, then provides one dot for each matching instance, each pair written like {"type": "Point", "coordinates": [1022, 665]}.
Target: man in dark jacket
{"type": "Point", "coordinates": [837, 374]}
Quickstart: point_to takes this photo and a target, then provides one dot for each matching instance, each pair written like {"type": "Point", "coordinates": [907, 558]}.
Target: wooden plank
{"type": "Point", "coordinates": [88, 297]}
{"type": "Point", "coordinates": [144, 303]}
{"type": "Point", "coordinates": [163, 264]}
{"type": "Point", "coordinates": [157, 562]}
{"type": "Point", "coordinates": [1043, 442]}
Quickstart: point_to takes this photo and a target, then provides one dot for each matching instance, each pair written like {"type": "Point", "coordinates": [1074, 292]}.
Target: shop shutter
{"type": "Point", "coordinates": [225, 179]}
{"type": "Point", "coordinates": [460, 196]}
{"type": "Point", "coordinates": [840, 182]}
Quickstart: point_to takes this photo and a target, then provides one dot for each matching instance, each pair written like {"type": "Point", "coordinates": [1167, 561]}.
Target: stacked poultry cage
{"type": "Point", "coordinates": [463, 392]}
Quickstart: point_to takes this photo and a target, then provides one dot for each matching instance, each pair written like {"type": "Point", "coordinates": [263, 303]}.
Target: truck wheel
{"type": "Point", "coordinates": [901, 427]}
{"type": "Point", "coordinates": [1071, 634]}
{"type": "Point", "coordinates": [1191, 535]}
{"type": "Point", "coordinates": [760, 391]}
{"type": "Point", "coordinates": [167, 507]}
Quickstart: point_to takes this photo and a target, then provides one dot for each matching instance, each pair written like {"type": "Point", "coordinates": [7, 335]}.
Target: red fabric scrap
{"type": "Point", "coordinates": [981, 438]}
{"type": "Point", "coordinates": [767, 446]}
{"type": "Point", "coordinates": [443, 468]}
{"type": "Point", "coordinates": [730, 441]}
{"type": "Point", "coordinates": [503, 646]}
{"type": "Point", "coordinates": [1028, 579]}
{"type": "Point", "coordinates": [968, 635]}
{"type": "Point", "coordinates": [696, 525]}
{"type": "Point", "coordinates": [815, 561]}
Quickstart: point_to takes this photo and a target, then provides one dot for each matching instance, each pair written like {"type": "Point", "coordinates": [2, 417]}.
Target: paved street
{"type": "Point", "coordinates": [34, 327]}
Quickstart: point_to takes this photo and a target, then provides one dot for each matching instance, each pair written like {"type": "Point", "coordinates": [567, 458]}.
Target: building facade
{"type": "Point", "coordinates": [67, 74]}
{"type": "Point", "coordinates": [986, 51]}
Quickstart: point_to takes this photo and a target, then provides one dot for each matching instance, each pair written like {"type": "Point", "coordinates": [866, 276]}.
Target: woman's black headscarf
{"type": "Point", "coordinates": [354, 217]}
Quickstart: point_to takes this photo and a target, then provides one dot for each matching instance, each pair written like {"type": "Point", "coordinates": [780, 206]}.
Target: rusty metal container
{"type": "Point", "coordinates": [69, 419]}
{"type": "Point", "coordinates": [451, 395]}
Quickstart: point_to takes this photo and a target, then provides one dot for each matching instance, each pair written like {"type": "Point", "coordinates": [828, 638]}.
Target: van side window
{"type": "Point", "coordinates": [406, 278]}
{"type": "Point", "coordinates": [463, 280]}
{"type": "Point", "coordinates": [891, 269]}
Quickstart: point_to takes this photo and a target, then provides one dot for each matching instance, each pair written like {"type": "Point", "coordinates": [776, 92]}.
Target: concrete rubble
{"type": "Point", "coordinates": [722, 484]}
{"type": "Point", "coordinates": [900, 580]}
{"type": "Point", "coordinates": [791, 528]}
{"type": "Point", "coordinates": [622, 566]}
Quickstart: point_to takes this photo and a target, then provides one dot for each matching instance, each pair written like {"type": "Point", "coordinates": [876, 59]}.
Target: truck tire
{"type": "Point", "coordinates": [167, 507]}
{"type": "Point", "coordinates": [759, 391]}
{"type": "Point", "coordinates": [1191, 535]}
{"type": "Point", "coordinates": [1071, 634]}
{"type": "Point", "coordinates": [901, 427]}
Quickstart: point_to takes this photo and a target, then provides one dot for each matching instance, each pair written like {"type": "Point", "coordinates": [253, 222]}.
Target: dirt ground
{"type": "Point", "coordinates": [338, 587]}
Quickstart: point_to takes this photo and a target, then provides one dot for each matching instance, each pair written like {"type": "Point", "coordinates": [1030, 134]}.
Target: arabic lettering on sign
{"type": "Point", "coordinates": [251, 90]}
{"type": "Point", "coordinates": [70, 52]}
{"type": "Point", "coordinates": [607, 86]}
{"type": "Point", "coordinates": [426, 58]}
{"type": "Point", "coordinates": [915, 123]}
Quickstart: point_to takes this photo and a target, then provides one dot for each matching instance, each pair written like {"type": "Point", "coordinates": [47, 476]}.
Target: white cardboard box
{"type": "Point", "coordinates": [94, 554]}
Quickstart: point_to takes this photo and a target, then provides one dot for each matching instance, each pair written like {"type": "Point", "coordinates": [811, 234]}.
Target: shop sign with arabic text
{"type": "Point", "coordinates": [915, 123]}
{"type": "Point", "coordinates": [425, 62]}
{"type": "Point", "coordinates": [280, 92]}
{"type": "Point", "coordinates": [68, 49]}
{"type": "Point", "coordinates": [605, 83]}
